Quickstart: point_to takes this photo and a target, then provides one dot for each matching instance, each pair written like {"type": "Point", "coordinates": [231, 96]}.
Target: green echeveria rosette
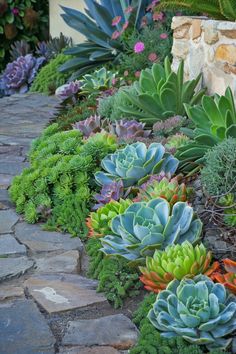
{"type": "Point", "coordinates": [146, 226]}
{"type": "Point", "coordinates": [198, 310]}
{"type": "Point", "coordinates": [134, 163]}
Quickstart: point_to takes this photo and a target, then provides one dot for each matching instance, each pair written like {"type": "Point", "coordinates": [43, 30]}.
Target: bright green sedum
{"type": "Point", "coordinates": [197, 310]}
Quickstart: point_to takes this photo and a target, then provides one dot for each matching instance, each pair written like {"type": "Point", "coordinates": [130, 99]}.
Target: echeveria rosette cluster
{"type": "Point", "coordinates": [147, 226]}
{"type": "Point", "coordinates": [69, 90]}
{"type": "Point", "coordinates": [19, 75]}
{"type": "Point", "coordinates": [135, 163]}
{"type": "Point", "coordinates": [92, 125]}
{"type": "Point", "coordinates": [198, 310]}
{"type": "Point", "coordinates": [227, 279]}
{"type": "Point", "coordinates": [110, 191]}
{"type": "Point", "coordinates": [176, 262]}
{"type": "Point", "coordinates": [128, 129]}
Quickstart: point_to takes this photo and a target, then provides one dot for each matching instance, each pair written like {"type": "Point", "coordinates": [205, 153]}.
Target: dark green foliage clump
{"type": "Point", "coordinates": [116, 279]}
{"type": "Point", "coordinates": [150, 340]}
{"type": "Point", "coordinates": [56, 186]}
{"type": "Point", "coordinates": [49, 78]}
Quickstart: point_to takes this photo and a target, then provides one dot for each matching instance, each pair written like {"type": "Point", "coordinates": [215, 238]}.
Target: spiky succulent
{"type": "Point", "coordinates": [99, 222]}
{"type": "Point", "coordinates": [176, 262]}
{"type": "Point", "coordinates": [144, 227]}
{"type": "Point", "coordinates": [197, 310]}
{"type": "Point", "coordinates": [110, 191]}
{"type": "Point", "coordinates": [19, 75]}
{"type": "Point", "coordinates": [128, 129]}
{"type": "Point", "coordinates": [227, 279]}
{"type": "Point", "coordinates": [91, 125]}
{"type": "Point", "coordinates": [170, 190]}
{"type": "Point", "coordinates": [19, 49]}
{"type": "Point", "coordinates": [134, 163]}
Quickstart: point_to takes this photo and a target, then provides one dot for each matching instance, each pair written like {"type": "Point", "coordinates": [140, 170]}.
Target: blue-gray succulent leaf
{"type": "Point", "coordinates": [203, 338]}
{"type": "Point", "coordinates": [193, 234]}
{"type": "Point", "coordinates": [108, 165]}
{"type": "Point", "coordinates": [220, 291]}
{"type": "Point", "coordinates": [214, 306]}
{"type": "Point", "coordinates": [103, 178]}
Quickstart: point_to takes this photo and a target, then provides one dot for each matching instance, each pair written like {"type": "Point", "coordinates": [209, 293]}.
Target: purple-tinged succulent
{"type": "Point", "coordinates": [19, 75]}
{"type": "Point", "coordinates": [111, 191]}
{"type": "Point", "coordinates": [169, 126]}
{"type": "Point", "coordinates": [91, 125]}
{"type": "Point", "coordinates": [128, 129]}
{"type": "Point", "coordinates": [42, 50]}
{"type": "Point", "coordinates": [154, 178]}
{"type": "Point", "coordinates": [68, 90]}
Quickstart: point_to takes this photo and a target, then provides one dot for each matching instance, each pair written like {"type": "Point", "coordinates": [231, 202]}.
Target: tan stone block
{"type": "Point", "coordinates": [196, 29]}
{"type": "Point", "coordinates": [182, 32]}
{"type": "Point", "coordinates": [227, 53]}
{"type": "Point", "coordinates": [229, 69]}
{"type": "Point", "coordinates": [180, 48]}
{"type": "Point", "coordinates": [230, 34]}
{"type": "Point", "coordinates": [179, 21]}
{"type": "Point", "coordinates": [211, 34]}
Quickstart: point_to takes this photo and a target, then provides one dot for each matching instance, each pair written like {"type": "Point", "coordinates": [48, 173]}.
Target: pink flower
{"type": "Point", "coordinates": [129, 9]}
{"type": "Point", "coordinates": [15, 11]}
{"type": "Point", "coordinates": [116, 20]}
{"type": "Point", "coordinates": [152, 5]}
{"type": "Point", "coordinates": [139, 47]}
{"type": "Point", "coordinates": [126, 73]}
{"type": "Point", "coordinates": [152, 57]}
{"type": "Point", "coordinates": [158, 16]}
{"type": "Point", "coordinates": [114, 81]}
{"type": "Point", "coordinates": [137, 74]}
{"type": "Point", "coordinates": [125, 25]}
{"type": "Point", "coordinates": [163, 35]}
{"type": "Point", "coordinates": [115, 35]}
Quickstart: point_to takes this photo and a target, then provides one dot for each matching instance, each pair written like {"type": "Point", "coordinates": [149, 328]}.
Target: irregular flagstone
{"type": "Point", "coordinates": [14, 140]}
{"type": "Point", "coordinates": [116, 331]}
{"type": "Point", "coordinates": [10, 150]}
{"type": "Point", "coordinates": [5, 181]}
{"type": "Point", "coordinates": [63, 292]}
{"type": "Point", "coordinates": [5, 202]}
{"type": "Point", "coordinates": [8, 218]}
{"type": "Point", "coordinates": [12, 168]}
{"type": "Point", "coordinates": [86, 350]}
{"type": "Point", "coordinates": [38, 240]}
{"type": "Point", "coordinates": [10, 291]}
{"type": "Point", "coordinates": [9, 246]}
{"type": "Point", "coordinates": [12, 267]}
{"type": "Point", "coordinates": [67, 262]}
{"type": "Point", "coordinates": [23, 329]}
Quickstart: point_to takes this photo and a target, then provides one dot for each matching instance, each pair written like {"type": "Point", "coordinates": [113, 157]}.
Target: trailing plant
{"type": "Point", "coordinates": [99, 222]}
{"type": "Point", "coordinates": [218, 9]}
{"type": "Point", "coordinates": [102, 25]}
{"type": "Point", "coordinates": [160, 93]}
{"type": "Point", "coordinates": [49, 78]}
{"type": "Point", "coordinates": [134, 163]}
{"type": "Point", "coordinates": [197, 310]}
{"type": "Point", "coordinates": [227, 279]}
{"type": "Point", "coordinates": [168, 189]}
{"type": "Point", "coordinates": [215, 121]}
{"type": "Point", "coordinates": [176, 262]}
{"type": "Point", "coordinates": [116, 279]}
{"type": "Point", "coordinates": [146, 226]}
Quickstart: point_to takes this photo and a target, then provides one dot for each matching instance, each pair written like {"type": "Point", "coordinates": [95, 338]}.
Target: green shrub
{"type": "Point", "coordinates": [49, 78]}
{"type": "Point", "coordinates": [116, 279]}
{"type": "Point", "coordinates": [56, 186]}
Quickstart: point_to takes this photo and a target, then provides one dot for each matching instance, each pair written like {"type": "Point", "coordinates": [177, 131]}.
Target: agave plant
{"type": "Point", "coordinates": [134, 163]}
{"type": "Point", "coordinates": [215, 120]}
{"type": "Point", "coordinates": [129, 129]}
{"type": "Point", "coordinates": [56, 45]}
{"type": "Point", "coordinates": [176, 262]}
{"type": "Point", "coordinates": [98, 27]}
{"type": "Point", "coordinates": [91, 125]}
{"type": "Point", "coordinates": [160, 93]}
{"type": "Point", "coordinates": [99, 80]}
{"type": "Point", "coordinates": [99, 222]}
{"type": "Point", "coordinates": [219, 9]}
{"type": "Point", "coordinates": [227, 279]}
{"type": "Point", "coordinates": [197, 310]}
{"type": "Point", "coordinates": [147, 226]}
{"type": "Point", "coordinates": [170, 190]}
{"type": "Point", "coordinates": [110, 191]}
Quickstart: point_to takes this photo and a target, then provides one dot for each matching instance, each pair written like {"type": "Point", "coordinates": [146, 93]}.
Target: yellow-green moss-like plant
{"type": "Point", "coordinates": [49, 78]}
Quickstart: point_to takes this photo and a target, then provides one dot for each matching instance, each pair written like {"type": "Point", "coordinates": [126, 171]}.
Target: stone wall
{"type": "Point", "coordinates": [209, 47]}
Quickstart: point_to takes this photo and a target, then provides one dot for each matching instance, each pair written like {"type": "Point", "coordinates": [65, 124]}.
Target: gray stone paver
{"type": "Point", "coordinates": [39, 270]}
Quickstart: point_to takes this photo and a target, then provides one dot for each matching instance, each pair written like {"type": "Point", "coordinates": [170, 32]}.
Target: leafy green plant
{"type": "Point", "coordinates": [176, 262]}
{"type": "Point", "coordinates": [99, 26]}
{"type": "Point", "coordinates": [176, 141]}
{"type": "Point", "coordinates": [215, 120]}
{"type": "Point", "coordinates": [197, 310]}
{"type": "Point", "coordinates": [146, 226]}
{"type": "Point", "coordinates": [219, 9]}
{"type": "Point", "coordinates": [160, 93]}
{"type": "Point", "coordinates": [99, 222]}
{"type": "Point", "coordinates": [49, 78]}
{"type": "Point", "coordinates": [116, 279]}
{"type": "Point", "coordinates": [134, 163]}
{"type": "Point", "coordinates": [97, 81]}
{"type": "Point", "coordinates": [228, 202]}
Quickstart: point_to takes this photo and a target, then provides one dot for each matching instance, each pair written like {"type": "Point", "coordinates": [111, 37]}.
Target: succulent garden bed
{"type": "Point", "coordinates": [141, 165]}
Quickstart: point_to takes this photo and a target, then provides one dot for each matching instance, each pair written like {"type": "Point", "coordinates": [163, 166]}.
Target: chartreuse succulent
{"type": "Point", "coordinates": [176, 262]}
{"type": "Point", "coordinates": [99, 222]}
{"type": "Point", "coordinates": [227, 279]}
{"type": "Point", "coordinates": [146, 226]}
{"type": "Point", "coordinates": [160, 93]}
{"type": "Point", "coordinates": [197, 310]}
{"type": "Point", "coordinates": [134, 163]}
{"type": "Point", "coordinates": [215, 121]}
{"type": "Point", "coordinates": [170, 190]}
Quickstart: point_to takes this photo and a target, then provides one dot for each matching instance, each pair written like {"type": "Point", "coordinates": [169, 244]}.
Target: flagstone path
{"type": "Point", "coordinates": [47, 305]}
